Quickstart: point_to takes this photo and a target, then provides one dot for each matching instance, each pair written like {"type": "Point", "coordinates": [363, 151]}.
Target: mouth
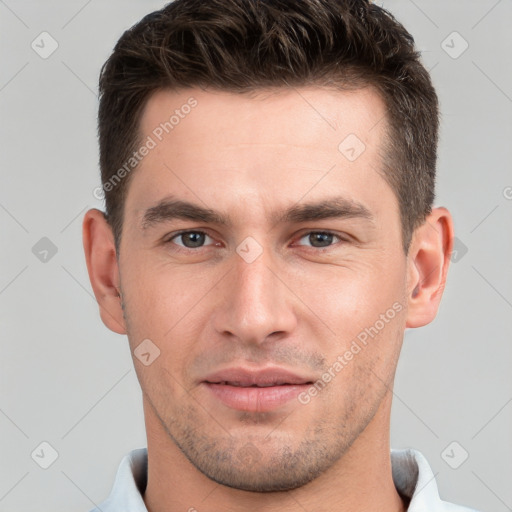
{"type": "Point", "coordinates": [256, 390]}
{"type": "Point", "coordinates": [245, 385]}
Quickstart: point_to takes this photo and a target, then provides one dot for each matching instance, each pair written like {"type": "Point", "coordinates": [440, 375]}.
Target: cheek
{"type": "Point", "coordinates": [161, 296]}
{"type": "Point", "coordinates": [361, 362]}
{"type": "Point", "coordinates": [350, 299]}
{"type": "Point", "coordinates": [171, 307]}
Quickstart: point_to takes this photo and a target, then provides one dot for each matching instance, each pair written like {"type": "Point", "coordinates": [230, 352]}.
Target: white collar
{"type": "Point", "coordinates": [412, 476]}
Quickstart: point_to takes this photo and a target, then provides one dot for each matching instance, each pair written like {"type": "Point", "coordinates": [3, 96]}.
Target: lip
{"type": "Point", "coordinates": [256, 390]}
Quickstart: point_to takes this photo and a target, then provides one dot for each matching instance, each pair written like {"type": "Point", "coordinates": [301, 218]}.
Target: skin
{"type": "Point", "coordinates": [297, 305]}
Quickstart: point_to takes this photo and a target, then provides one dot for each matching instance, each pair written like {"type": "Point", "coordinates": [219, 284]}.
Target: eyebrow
{"type": "Point", "coordinates": [170, 208]}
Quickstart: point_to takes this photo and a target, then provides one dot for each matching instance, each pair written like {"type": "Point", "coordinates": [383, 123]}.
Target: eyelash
{"type": "Point", "coordinates": [318, 249]}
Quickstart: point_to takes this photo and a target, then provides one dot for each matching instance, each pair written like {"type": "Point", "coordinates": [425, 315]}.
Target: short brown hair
{"type": "Point", "coordinates": [247, 45]}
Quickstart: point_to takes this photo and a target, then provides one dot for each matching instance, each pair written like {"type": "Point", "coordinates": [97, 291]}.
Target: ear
{"type": "Point", "coordinates": [102, 265]}
{"type": "Point", "coordinates": [428, 262]}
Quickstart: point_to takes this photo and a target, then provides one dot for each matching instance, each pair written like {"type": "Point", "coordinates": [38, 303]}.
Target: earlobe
{"type": "Point", "coordinates": [102, 266]}
{"type": "Point", "coordinates": [428, 261]}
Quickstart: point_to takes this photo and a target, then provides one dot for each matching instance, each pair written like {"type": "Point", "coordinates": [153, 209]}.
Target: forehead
{"type": "Point", "coordinates": [277, 145]}
{"type": "Point", "coordinates": [276, 115]}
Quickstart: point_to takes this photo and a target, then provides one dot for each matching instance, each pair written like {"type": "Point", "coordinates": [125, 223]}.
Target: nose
{"type": "Point", "coordinates": [256, 304]}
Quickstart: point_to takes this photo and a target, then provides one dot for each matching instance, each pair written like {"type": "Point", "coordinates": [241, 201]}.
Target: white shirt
{"type": "Point", "coordinates": [412, 476]}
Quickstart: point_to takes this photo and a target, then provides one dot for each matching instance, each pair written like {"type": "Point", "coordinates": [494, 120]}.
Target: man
{"type": "Point", "coordinates": [268, 169]}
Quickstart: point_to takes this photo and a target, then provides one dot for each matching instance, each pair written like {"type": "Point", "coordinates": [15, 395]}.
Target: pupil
{"type": "Point", "coordinates": [325, 239]}
{"type": "Point", "coordinates": [193, 239]}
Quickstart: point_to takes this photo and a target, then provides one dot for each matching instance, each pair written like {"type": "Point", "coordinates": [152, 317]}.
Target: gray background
{"type": "Point", "coordinates": [67, 380]}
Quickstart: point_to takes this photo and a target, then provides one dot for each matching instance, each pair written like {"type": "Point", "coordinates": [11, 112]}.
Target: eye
{"type": "Point", "coordinates": [320, 239]}
{"type": "Point", "coordinates": [190, 239]}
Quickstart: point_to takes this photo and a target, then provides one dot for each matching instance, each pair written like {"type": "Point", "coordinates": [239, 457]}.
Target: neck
{"type": "Point", "coordinates": [361, 480]}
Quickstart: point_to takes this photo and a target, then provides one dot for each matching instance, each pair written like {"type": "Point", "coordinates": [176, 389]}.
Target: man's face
{"type": "Point", "coordinates": [264, 291]}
